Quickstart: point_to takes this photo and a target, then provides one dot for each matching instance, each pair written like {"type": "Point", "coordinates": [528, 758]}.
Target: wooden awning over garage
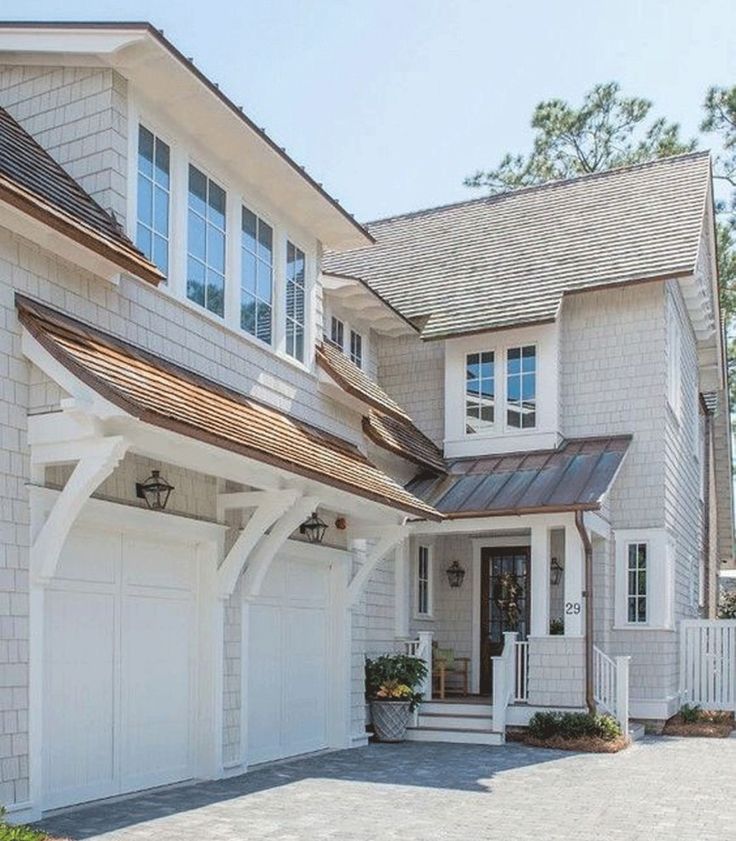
{"type": "Point", "coordinates": [165, 395]}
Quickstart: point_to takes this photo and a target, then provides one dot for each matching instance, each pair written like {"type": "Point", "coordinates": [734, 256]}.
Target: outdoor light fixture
{"type": "Point", "coordinates": [455, 574]}
{"type": "Point", "coordinates": [313, 528]}
{"type": "Point", "coordinates": [155, 490]}
{"type": "Point", "coordinates": [556, 570]}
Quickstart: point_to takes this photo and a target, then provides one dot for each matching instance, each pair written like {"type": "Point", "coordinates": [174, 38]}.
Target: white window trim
{"type": "Point", "coordinates": [661, 555]}
{"type": "Point", "coordinates": [332, 310]}
{"type": "Point", "coordinates": [429, 615]}
{"type": "Point", "coordinates": [355, 332]}
{"type": "Point", "coordinates": [183, 153]}
{"type": "Point", "coordinates": [674, 360]}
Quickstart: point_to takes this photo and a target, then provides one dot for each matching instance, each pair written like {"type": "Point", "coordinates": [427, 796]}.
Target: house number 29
{"type": "Point", "coordinates": [572, 608]}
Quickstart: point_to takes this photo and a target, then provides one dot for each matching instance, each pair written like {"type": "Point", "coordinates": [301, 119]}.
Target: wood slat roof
{"type": "Point", "coordinates": [573, 477]}
{"type": "Point", "coordinates": [165, 395]}
{"type": "Point", "coordinates": [507, 260]}
{"type": "Point", "coordinates": [386, 424]}
{"type": "Point", "coordinates": [32, 181]}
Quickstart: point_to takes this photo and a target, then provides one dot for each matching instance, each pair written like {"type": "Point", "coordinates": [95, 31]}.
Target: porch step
{"type": "Point", "coordinates": [636, 730]}
{"type": "Point", "coordinates": [455, 722]}
{"type": "Point", "coordinates": [454, 734]}
{"type": "Point", "coordinates": [463, 708]}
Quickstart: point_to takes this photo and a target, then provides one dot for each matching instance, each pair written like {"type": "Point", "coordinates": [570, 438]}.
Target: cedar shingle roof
{"type": "Point", "coordinates": [507, 260]}
{"type": "Point", "coordinates": [165, 395]}
{"type": "Point", "coordinates": [32, 181]}
{"type": "Point", "coordinates": [575, 476]}
{"type": "Point", "coordinates": [387, 424]}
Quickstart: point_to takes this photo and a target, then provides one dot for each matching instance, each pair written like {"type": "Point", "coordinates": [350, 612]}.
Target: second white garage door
{"type": "Point", "coordinates": [287, 661]}
{"type": "Point", "coordinates": [119, 671]}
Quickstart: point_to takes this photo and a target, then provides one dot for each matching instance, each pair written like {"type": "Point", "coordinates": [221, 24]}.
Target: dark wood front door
{"type": "Point", "coordinates": [505, 602]}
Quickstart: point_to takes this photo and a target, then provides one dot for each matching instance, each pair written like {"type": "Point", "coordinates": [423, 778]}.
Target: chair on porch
{"type": "Point", "coordinates": [444, 665]}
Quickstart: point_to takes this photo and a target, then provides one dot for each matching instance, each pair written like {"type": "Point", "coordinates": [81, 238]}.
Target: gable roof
{"type": "Point", "coordinates": [573, 477]}
{"type": "Point", "coordinates": [507, 260]}
{"type": "Point", "coordinates": [33, 182]}
{"type": "Point", "coordinates": [170, 397]}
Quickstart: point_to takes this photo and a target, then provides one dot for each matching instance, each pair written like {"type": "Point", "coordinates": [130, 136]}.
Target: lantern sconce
{"type": "Point", "coordinates": [556, 569]}
{"type": "Point", "coordinates": [455, 574]}
{"type": "Point", "coordinates": [155, 490]}
{"type": "Point", "coordinates": [313, 529]}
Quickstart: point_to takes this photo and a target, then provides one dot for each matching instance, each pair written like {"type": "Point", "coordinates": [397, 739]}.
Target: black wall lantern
{"type": "Point", "coordinates": [455, 574]}
{"type": "Point", "coordinates": [155, 490]}
{"type": "Point", "coordinates": [314, 529]}
{"type": "Point", "coordinates": [555, 571]}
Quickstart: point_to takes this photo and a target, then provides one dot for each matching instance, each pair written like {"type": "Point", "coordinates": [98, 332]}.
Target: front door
{"type": "Point", "coordinates": [505, 603]}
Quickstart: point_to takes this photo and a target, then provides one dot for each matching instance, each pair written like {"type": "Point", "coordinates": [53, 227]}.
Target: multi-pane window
{"type": "Point", "coordinates": [337, 332]}
{"type": "Point", "coordinates": [521, 387]}
{"type": "Point", "coordinates": [152, 232]}
{"type": "Point", "coordinates": [256, 276]}
{"type": "Point", "coordinates": [636, 582]}
{"type": "Point", "coordinates": [480, 391]}
{"type": "Point", "coordinates": [295, 301]}
{"type": "Point", "coordinates": [424, 606]}
{"type": "Point", "coordinates": [356, 348]}
{"type": "Point", "coordinates": [206, 243]}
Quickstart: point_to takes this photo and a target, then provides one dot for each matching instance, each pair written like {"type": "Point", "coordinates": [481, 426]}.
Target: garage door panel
{"type": "Point", "coordinates": [156, 680]}
{"type": "Point", "coordinates": [265, 682]}
{"type": "Point", "coordinates": [78, 724]}
{"type": "Point", "coordinates": [86, 558]}
{"type": "Point", "coordinates": [154, 563]}
{"type": "Point", "coordinates": [306, 581]}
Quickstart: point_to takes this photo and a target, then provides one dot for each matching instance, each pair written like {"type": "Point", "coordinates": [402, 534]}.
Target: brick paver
{"type": "Point", "coordinates": [668, 789]}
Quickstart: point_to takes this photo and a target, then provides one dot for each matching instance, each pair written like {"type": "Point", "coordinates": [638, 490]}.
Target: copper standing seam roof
{"type": "Point", "coordinates": [573, 477]}
{"type": "Point", "coordinates": [386, 424]}
{"type": "Point", "coordinates": [33, 182]}
{"type": "Point", "coordinates": [508, 260]}
{"type": "Point", "coordinates": [165, 395]}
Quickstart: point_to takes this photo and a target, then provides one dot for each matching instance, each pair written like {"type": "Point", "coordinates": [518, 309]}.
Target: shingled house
{"type": "Point", "coordinates": [246, 441]}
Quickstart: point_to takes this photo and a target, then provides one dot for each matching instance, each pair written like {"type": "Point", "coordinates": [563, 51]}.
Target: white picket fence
{"type": "Point", "coordinates": [708, 663]}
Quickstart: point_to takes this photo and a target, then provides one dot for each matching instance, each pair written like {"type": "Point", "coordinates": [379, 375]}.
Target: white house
{"type": "Point", "coordinates": [530, 387]}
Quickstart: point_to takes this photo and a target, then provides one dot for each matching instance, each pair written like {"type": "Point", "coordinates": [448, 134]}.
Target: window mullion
{"type": "Point", "coordinates": [232, 260]}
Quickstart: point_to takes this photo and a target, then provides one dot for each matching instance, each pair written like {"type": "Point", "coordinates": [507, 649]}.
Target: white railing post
{"type": "Point", "coordinates": [500, 694]}
{"type": "Point", "coordinates": [622, 693]}
{"type": "Point", "coordinates": [424, 652]}
{"type": "Point", "coordinates": [509, 654]}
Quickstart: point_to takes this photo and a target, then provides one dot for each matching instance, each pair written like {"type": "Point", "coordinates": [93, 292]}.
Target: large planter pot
{"type": "Point", "coordinates": [390, 720]}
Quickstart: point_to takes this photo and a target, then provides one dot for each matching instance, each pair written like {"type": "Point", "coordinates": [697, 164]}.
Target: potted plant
{"type": "Point", "coordinates": [391, 683]}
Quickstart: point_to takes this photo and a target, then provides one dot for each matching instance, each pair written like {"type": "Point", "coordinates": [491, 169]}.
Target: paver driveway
{"type": "Point", "coordinates": [668, 789]}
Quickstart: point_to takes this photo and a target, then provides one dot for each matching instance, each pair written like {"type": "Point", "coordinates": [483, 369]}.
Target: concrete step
{"type": "Point", "coordinates": [454, 708]}
{"type": "Point", "coordinates": [455, 722]}
{"type": "Point", "coordinates": [457, 735]}
{"type": "Point", "coordinates": [636, 730]}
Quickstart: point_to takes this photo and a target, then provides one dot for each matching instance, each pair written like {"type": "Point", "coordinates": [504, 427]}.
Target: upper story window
{"type": "Point", "coordinates": [256, 276]}
{"type": "Point", "coordinates": [356, 348]}
{"type": "Point", "coordinates": [337, 332]}
{"type": "Point", "coordinates": [636, 594]}
{"type": "Point", "coordinates": [206, 243]}
{"type": "Point", "coordinates": [295, 301]}
{"type": "Point", "coordinates": [480, 391]}
{"type": "Point", "coordinates": [152, 231]}
{"type": "Point", "coordinates": [521, 387]}
{"type": "Point", "coordinates": [424, 581]}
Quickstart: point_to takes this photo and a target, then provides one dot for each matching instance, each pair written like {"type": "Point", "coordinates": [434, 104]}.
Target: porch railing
{"type": "Point", "coordinates": [521, 684]}
{"type": "Point", "coordinates": [504, 680]}
{"type": "Point", "coordinates": [421, 647]}
{"type": "Point", "coordinates": [611, 686]}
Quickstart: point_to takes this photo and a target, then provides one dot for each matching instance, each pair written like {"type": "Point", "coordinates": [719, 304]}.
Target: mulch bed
{"type": "Point", "coordinates": [714, 725]}
{"type": "Point", "coordinates": [580, 745]}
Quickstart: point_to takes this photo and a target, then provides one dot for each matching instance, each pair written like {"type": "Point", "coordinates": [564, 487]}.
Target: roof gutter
{"type": "Point", "coordinates": [588, 595]}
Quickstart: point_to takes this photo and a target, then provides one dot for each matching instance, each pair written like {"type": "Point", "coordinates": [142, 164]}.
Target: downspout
{"type": "Point", "coordinates": [705, 467]}
{"type": "Point", "coordinates": [588, 548]}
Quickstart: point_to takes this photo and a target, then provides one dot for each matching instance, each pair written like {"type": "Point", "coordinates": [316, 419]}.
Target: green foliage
{"type": "Point", "coordinates": [608, 130]}
{"type": "Point", "coordinates": [573, 726]}
{"type": "Point", "coordinates": [18, 833]}
{"type": "Point", "coordinates": [727, 605]}
{"type": "Point", "coordinates": [720, 119]}
{"type": "Point", "coordinates": [394, 669]}
{"type": "Point", "coordinates": [690, 713]}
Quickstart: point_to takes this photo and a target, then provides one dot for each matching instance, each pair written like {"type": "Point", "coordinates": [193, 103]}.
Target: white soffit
{"type": "Point", "coordinates": [150, 63]}
{"type": "Point", "coordinates": [358, 301]}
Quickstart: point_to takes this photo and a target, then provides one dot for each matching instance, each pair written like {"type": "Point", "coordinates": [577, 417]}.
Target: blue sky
{"type": "Point", "coordinates": [390, 103]}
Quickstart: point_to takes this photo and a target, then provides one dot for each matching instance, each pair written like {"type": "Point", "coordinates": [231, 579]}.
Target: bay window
{"type": "Point", "coordinates": [256, 276]}
{"type": "Point", "coordinates": [153, 191]}
{"type": "Point", "coordinates": [521, 387]}
{"type": "Point", "coordinates": [644, 579]}
{"type": "Point", "coordinates": [206, 240]}
{"type": "Point", "coordinates": [295, 301]}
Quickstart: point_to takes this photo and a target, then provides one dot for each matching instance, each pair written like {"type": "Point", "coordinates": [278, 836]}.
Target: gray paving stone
{"type": "Point", "coordinates": [668, 789]}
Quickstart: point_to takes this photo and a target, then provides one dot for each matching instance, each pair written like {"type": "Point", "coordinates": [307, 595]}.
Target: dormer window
{"type": "Point", "coordinates": [337, 332]}
{"type": "Point", "coordinates": [356, 348]}
{"type": "Point", "coordinates": [295, 301]}
{"type": "Point", "coordinates": [256, 276]}
{"type": "Point", "coordinates": [152, 231]}
{"type": "Point", "coordinates": [206, 243]}
{"type": "Point", "coordinates": [480, 391]}
{"type": "Point", "coordinates": [521, 387]}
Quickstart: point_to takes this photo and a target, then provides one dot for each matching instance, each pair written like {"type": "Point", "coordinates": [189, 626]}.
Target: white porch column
{"type": "Point", "coordinates": [401, 589]}
{"type": "Point", "coordinates": [539, 581]}
{"type": "Point", "coordinates": [574, 607]}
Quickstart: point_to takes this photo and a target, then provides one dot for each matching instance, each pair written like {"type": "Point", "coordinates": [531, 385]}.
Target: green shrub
{"type": "Point", "coordinates": [394, 669]}
{"type": "Point", "coordinates": [18, 833]}
{"type": "Point", "coordinates": [690, 713]}
{"type": "Point", "coordinates": [573, 726]}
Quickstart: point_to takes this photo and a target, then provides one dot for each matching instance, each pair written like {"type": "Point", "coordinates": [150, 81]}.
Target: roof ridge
{"type": "Point", "coordinates": [547, 185]}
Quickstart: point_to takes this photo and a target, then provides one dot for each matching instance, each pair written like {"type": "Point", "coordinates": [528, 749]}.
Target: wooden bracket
{"type": "Point", "coordinates": [392, 536]}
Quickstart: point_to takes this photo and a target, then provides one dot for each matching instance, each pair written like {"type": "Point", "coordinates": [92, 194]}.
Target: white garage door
{"type": "Point", "coordinates": [287, 661]}
{"type": "Point", "coordinates": [119, 637]}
